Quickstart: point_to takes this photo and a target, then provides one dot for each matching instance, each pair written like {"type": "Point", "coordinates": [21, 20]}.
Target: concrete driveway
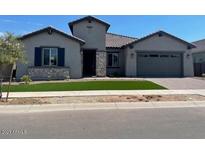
{"type": "Point", "coordinates": [179, 83]}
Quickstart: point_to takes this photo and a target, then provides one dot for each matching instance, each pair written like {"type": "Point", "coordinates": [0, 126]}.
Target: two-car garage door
{"type": "Point", "coordinates": [156, 64]}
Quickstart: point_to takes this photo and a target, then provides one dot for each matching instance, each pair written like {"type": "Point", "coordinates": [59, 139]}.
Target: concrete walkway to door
{"type": "Point", "coordinates": [179, 83]}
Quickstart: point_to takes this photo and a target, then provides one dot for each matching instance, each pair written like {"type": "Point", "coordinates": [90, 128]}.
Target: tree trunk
{"type": "Point", "coordinates": [1, 80]}
{"type": "Point", "coordinates": [10, 79]}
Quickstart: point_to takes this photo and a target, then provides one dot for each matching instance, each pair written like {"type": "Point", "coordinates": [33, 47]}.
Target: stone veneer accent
{"type": "Point", "coordinates": [101, 63]}
{"type": "Point", "coordinates": [48, 73]}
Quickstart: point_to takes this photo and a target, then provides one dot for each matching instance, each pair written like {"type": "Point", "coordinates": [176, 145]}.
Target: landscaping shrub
{"type": "Point", "coordinates": [26, 79]}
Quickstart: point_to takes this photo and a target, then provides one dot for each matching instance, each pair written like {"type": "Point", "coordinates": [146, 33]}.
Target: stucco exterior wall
{"type": "Point", "coordinates": [117, 70]}
{"type": "Point", "coordinates": [158, 44]}
{"type": "Point", "coordinates": [72, 52]}
{"type": "Point", "coordinates": [92, 33]}
{"type": "Point", "coordinates": [199, 57]}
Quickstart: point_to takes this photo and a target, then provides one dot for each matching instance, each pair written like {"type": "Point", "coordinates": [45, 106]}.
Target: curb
{"type": "Point", "coordinates": [97, 106]}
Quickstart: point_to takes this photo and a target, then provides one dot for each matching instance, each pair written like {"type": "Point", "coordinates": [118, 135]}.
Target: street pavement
{"type": "Point", "coordinates": [140, 123]}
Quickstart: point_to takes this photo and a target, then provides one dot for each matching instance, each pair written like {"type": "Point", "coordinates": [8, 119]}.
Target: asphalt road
{"type": "Point", "coordinates": [132, 123]}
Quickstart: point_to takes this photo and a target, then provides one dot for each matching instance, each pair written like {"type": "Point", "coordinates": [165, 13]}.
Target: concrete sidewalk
{"type": "Point", "coordinates": [97, 106]}
{"type": "Point", "coordinates": [103, 92]}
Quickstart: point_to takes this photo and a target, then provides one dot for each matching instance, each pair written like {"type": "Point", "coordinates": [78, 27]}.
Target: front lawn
{"type": "Point", "coordinates": [86, 85]}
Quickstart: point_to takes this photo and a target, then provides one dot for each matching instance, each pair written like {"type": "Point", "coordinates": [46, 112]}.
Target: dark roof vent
{"type": "Point", "coordinates": [160, 34]}
{"type": "Point", "coordinates": [50, 31]}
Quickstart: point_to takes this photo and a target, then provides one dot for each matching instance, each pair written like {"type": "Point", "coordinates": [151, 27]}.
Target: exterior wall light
{"type": "Point", "coordinates": [132, 55]}
{"type": "Point", "coordinates": [188, 55]}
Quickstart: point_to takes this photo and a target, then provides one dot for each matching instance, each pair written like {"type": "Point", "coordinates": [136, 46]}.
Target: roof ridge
{"type": "Point", "coordinates": [122, 35]}
{"type": "Point", "coordinates": [55, 29]}
{"type": "Point", "coordinates": [159, 31]}
{"type": "Point", "coordinates": [70, 24]}
{"type": "Point", "coordinates": [150, 34]}
{"type": "Point", "coordinates": [87, 16]}
{"type": "Point", "coordinates": [199, 40]}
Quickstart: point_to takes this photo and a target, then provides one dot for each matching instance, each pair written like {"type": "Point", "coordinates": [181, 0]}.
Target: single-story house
{"type": "Point", "coordinates": [92, 51]}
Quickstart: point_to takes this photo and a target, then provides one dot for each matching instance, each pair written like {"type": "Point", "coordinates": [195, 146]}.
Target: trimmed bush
{"type": "Point", "coordinates": [26, 79]}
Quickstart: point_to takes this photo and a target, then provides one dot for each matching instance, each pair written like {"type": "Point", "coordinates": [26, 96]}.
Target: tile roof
{"type": "Point", "coordinates": [200, 46]}
{"type": "Point", "coordinates": [117, 41]}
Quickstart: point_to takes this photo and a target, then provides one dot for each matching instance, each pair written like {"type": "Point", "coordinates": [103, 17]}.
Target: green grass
{"type": "Point", "coordinates": [87, 85]}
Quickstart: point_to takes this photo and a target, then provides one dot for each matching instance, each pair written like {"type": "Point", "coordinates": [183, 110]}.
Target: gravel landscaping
{"type": "Point", "coordinates": [24, 101]}
{"type": "Point", "coordinates": [104, 99]}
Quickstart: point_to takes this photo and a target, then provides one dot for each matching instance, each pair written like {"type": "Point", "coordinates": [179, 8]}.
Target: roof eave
{"type": "Point", "coordinates": [58, 31]}
{"type": "Point", "coordinates": [146, 37]}
{"type": "Point", "coordinates": [70, 24]}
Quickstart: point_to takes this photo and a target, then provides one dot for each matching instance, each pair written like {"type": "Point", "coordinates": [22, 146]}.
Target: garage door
{"type": "Point", "coordinates": [159, 64]}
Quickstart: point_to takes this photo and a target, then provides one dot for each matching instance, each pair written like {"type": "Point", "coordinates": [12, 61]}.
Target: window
{"type": "Point", "coordinates": [154, 55]}
{"type": "Point", "coordinates": [174, 56]}
{"type": "Point", "coordinates": [142, 55]}
{"type": "Point", "coordinates": [50, 56]}
{"type": "Point", "coordinates": [113, 60]}
{"type": "Point", "coordinates": [164, 56]}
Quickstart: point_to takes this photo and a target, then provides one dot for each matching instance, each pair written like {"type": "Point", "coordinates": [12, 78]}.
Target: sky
{"type": "Point", "coordinates": [189, 28]}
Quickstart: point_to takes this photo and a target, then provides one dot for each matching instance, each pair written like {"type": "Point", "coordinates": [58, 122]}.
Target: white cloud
{"type": "Point", "coordinates": [20, 22]}
{"type": "Point", "coordinates": [8, 21]}
{"type": "Point", "coordinates": [33, 23]}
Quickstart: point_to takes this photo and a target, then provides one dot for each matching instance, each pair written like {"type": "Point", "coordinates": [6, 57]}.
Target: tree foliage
{"type": "Point", "coordinates": [11, 49]}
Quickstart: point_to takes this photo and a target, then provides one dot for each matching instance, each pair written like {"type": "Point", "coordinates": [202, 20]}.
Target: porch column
{"type": "Point", "coordinates": [101, 63]}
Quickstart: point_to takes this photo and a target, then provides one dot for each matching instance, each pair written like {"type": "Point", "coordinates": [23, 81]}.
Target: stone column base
{"type": "Point", "coordinates": [101, 63]}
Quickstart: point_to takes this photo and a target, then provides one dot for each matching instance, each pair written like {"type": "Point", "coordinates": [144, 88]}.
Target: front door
{"type": "Point", "coordinates": [89, 62]}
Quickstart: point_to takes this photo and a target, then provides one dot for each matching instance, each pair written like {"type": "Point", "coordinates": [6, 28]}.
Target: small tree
{"type": "Point", "coordinates": [11, 51]}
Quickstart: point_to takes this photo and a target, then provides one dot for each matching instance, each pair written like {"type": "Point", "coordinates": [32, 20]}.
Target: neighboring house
{"type": "Point", "coordinates": [92, 51]}
{"type": "Point", "coordinates": [199, 57]}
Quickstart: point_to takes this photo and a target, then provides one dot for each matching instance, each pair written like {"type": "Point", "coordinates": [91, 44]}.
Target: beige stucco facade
{"type": "Point", "coordinates": [157, 44]}
{"type": "Point", "coordinates": [89, 35]}
{"type": "Point", "coordinates": [93, 33]}
{"type": "Point", "coordinates": [199, 57]}
{"type": "Point", "coordinates": [72, 52]}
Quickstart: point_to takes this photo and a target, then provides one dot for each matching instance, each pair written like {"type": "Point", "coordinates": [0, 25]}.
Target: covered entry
{"type": "Point", "coordinates": [89, 62]}
{"type": "Point", "coordinates": [159, 64]}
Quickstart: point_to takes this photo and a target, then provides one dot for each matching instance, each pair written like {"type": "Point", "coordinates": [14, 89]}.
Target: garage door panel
{"type": "Point", "coordinates": [159, 64]}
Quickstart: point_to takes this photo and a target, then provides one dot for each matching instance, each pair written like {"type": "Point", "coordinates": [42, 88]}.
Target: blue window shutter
{"type": "Point", "coordinates": [38, 57]}
{"type": "Point", "coordinates": [61, 57]}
